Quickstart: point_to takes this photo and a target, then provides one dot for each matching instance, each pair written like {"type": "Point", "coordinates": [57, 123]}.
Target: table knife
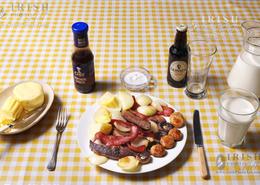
{"type": "Point", "coordinates": [199, 142]}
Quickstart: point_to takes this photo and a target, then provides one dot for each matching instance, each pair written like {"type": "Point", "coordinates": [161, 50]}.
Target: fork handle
{"type": "Point", "coordinates": [52, 164]}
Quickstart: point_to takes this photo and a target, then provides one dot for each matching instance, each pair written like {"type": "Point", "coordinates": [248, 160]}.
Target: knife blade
{"type": "Point", "coordinates": [197, 129]}
{"type": "Point", "coordinates": [199, 142]}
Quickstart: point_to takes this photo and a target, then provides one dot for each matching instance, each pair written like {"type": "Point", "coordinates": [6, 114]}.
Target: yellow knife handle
{"type": "Point", "coordinates": [203, 163]}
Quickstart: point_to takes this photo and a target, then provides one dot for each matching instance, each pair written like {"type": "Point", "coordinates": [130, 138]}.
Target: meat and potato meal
{"type": "Point", "coordinates": [131, 129]}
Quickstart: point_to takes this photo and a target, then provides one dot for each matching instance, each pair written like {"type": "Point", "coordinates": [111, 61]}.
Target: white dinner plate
{"type": "Point", "coordinates": [35, 116]}
{"type": "Point", "coordinates": [111, 165]}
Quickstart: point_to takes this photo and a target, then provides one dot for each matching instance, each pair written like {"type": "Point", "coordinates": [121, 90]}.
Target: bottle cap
{"type": "Point", "coordinates": [182, 27]}
{"type": "Point", "coordinates": [79, 27]}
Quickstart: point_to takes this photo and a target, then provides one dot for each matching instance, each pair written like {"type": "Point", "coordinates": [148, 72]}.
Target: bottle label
{"type": "Point", "coordinates": [84, 73]}
{"type": "Point", "coordinates": [81, 40]}
{"type": "Point", "coordinates": [178, 70]}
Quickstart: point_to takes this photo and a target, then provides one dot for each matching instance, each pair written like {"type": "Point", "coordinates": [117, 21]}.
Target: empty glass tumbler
{"type": "Point", "coordinates": [201, 53]}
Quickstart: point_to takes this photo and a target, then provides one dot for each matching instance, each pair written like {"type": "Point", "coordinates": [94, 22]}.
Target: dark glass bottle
{"type": "Point", "coordinates": [82, 59]}
{"type": "Point", "coordinates": [178, 59]}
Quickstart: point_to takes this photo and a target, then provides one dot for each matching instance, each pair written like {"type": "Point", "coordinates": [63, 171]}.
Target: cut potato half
{"type": "Point", "coordinates": [110, 101]}
{"type": "Point", "coordinates": [147, 110]}
{"type": "Point", "coordinates": [102, 115]}
{"type": "Point", "coordinates": [128, 163]}
{"type": "Point", "coordinates": [143, 100]}
{"type": "Point", "coordinates": [97, 159]}
{"type": "Point", "coordinates": [126, 100]}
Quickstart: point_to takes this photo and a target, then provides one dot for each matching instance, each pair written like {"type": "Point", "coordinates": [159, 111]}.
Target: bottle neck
{"type": "Point", "coordinates": [81, 40]}
{"type": "Point", "coordinates": [87, 43]}
{"type": "Point", "coordinates": [83, 46]}
{"type": "Point", "coordinates": [180, 40]}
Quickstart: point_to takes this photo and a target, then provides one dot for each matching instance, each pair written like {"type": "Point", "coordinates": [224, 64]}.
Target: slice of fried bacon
{"type": "Point", "coordinates": [111, 140]}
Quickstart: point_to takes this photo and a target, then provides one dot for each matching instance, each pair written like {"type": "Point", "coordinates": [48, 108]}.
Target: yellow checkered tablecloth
{"type": "Point", "coordinates": [36, 43]}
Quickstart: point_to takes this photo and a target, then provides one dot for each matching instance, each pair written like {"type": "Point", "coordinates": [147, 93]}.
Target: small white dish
{"type": "Point", "coordinates": [35, 116]}
{"type": "Point", "coordinates": [111, 165]}
{"type": "Point", "coordinates": [137, 79]}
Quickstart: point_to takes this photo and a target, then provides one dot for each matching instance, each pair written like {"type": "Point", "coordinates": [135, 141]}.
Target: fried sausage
{"type": "Point", "coordinates": [157, 119]}
{"type": "Point", "coordinates": [129, 116]}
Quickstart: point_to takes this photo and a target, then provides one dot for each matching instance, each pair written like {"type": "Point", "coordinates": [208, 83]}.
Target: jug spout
{"type": "Point", "coordinates": [246, 25]}
{"type": "Point", "coordinates": [251, 31]}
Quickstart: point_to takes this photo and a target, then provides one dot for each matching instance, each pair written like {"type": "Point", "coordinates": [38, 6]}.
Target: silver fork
{"type": "Point", "coordinates": [61, 123]}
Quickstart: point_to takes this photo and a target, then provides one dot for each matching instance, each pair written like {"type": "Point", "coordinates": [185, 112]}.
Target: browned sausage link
{"type": "Point", "coordinates": [157, 119]}
{"type": "Point", "coordinates": [144, 124]}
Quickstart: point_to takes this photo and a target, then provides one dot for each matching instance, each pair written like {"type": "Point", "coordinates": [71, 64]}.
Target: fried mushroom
{"type": "Point", "coordinates": [177, 119]}
{"type": "Point", "coordinates": [165, 126]}
{"type": "Point", "coordinates": [167, 141]}
{"type": "Point", "coordinates": [176, 134]}
{"type": "Point", "coordinates": [157, 150]}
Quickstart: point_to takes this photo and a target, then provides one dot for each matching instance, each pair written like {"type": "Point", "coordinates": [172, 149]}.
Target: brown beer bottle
{"type": "Point", "coordinates": [178, 59]}
{"type": "Point", "coordinates": [82, 59]}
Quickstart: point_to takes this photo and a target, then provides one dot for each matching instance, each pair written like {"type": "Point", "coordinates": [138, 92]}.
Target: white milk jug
{"type": "Point", "coordinates": [245, 73]}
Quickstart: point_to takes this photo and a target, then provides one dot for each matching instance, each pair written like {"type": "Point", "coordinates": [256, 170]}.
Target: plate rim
{"type": "Point", "coordinates": [125, 172]}
{"type": "Point", "coordinates": [50, 94]}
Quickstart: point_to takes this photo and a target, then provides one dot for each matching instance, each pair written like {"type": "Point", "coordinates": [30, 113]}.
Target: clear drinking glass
{"type": "Point", "coordinates": [201, 53]}
{"type": "Point", "coordinates": [237, 110]}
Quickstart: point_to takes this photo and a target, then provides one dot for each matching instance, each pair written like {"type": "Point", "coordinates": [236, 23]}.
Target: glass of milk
{"type": "Point", "coordinates": [237, 110]}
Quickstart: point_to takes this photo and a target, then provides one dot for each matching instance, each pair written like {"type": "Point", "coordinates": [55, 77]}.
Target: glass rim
{"type": "Point", "coordinates": [243, 90]}
{"type": "Point", "coordinates": [205, 41]}
{"type": "Point", "coordinates": [249, 31]}
{"type": "Point", "coordinates": [247, 21]}
{"type": "Point", "coordinates": [143, 70]}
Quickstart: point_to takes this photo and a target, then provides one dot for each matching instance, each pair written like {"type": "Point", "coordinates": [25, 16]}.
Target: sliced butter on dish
{"type": "Point", "coordinates": [30, 94]}
{"type": "Point", "coordinates": [12, 107]}
{"type": "Point", "coordinates": [5, 118]}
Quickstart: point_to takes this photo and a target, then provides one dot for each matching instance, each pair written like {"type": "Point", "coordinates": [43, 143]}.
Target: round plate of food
{"type": "Point", "coordinates": [23, 105]}
{"type": "Point", "coordinates": [131, 133]}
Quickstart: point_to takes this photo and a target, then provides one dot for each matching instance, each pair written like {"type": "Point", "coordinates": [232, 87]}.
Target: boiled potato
{"type": "Point", "coordinates": [97, 159]}
{"type": "Point", "coordinates": [102, 115]}
{"type": "Point", "coordinates": [146, 110]}
{"type": "Point", "coordinates": [117, 115]}
{"type": "Point", "coordinates": [154, 127]}
{"type": "Point", "coordinates": [143, 100]}
{"type": "Point", "coordinates": [110, 101]}
{"type": "Point", "coordinates": [126, 100]}
{"type": "Point", "coordinates": [156, 104]}
{"type": "Point", "coordinates": [128, 163]}
{"type": "Point", "coordinates": [105, 128]}
{"type": "Point", "coordinates": [162, 103]}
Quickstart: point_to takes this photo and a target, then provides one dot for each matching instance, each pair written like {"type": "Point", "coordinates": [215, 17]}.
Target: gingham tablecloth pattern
{"type": "Point", "coordinates": [37, 45]}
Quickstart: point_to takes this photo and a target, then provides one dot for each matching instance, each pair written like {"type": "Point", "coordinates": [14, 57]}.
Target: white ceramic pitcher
{"type": "Point", "coordinates": [245, 73]}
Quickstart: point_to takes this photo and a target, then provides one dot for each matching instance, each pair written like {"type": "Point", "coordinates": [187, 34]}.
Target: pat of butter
{"type": "Point", "coordinates": [97, 159]}
{"type": "Point", "coordinates": [12, 107]}
{"type": "Point", "coordinates": [5, 118]}
{"type": "Point", "coordinates": [30, 94]}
